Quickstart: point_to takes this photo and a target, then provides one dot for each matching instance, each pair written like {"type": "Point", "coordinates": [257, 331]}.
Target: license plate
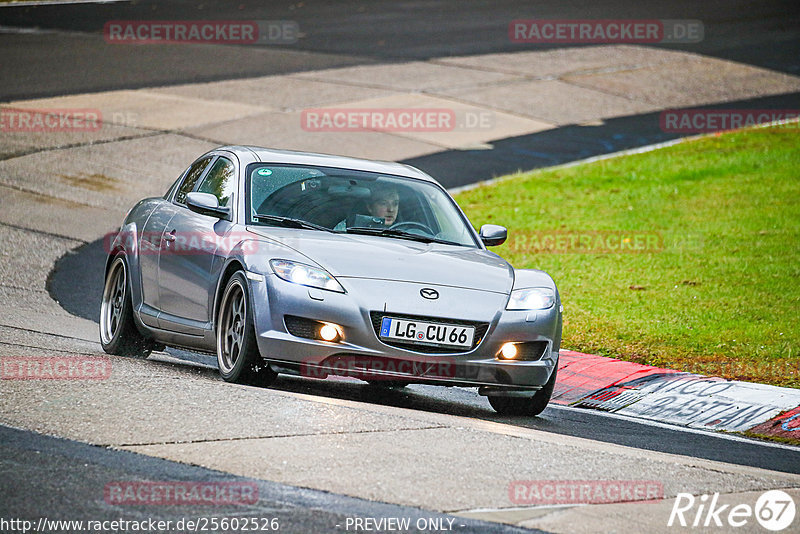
{"type": "Point", "coordinates": [424, 333]}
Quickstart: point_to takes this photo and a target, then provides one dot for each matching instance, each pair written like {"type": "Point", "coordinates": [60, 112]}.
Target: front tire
{"type": "Point", "coordinates": [237, 351]}
{"type": "Point", "coordinates": [118, 332]}
{"type": "Point", "coordinates": [529, 406]}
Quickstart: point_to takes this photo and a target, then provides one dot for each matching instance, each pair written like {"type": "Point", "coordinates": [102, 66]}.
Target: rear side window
{"type": "Point", "coordinates": [194, 173]}
{"type": "Point", "coordinates": [220, 181]}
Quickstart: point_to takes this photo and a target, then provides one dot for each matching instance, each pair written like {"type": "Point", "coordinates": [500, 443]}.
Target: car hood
{"type": "Point", "coordinates": [384, 258]}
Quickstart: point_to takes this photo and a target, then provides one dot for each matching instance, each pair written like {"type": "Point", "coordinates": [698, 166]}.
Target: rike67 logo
{"type": "Point", "coordinates": [774, 510]}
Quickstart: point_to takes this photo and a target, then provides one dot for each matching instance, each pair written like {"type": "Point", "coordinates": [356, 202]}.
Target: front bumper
{"type": "Point", "coordinates": [363, 355]}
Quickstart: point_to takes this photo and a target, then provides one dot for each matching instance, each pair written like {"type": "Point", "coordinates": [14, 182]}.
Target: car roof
{"type": "Point", "coordinates": [268, 155]}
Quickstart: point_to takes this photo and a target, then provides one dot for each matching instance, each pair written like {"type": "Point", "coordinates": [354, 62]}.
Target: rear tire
{"type": "Point", "coordinates": [528, 406]}
{"type": "Point", "coordinates": [118, 332]}
{"type": "Point", "coordinates": [237, 350]}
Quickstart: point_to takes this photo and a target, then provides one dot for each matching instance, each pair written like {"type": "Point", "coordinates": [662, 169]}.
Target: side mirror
{"type": "Point", "coordinates": [493, 235]}
{"type": "Point", "coordinates": [206, 204]}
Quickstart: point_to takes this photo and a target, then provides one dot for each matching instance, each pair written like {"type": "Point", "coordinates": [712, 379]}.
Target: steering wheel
{"type": "Point", "coordinates": [412, 225]}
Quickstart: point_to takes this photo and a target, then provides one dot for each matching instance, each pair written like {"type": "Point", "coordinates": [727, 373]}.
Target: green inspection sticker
{"type": "Point", "coordinates": [263, 172]}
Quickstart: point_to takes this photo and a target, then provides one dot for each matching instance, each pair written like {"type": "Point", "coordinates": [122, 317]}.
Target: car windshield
{"type": "Point", "coordinates": [355, 202]}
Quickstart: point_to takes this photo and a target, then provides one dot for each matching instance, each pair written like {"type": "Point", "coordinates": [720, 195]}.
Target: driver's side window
{"type": "Point", "coordinates": [220, 181]}
{"type": "Point", "coordinates": [194, 173]}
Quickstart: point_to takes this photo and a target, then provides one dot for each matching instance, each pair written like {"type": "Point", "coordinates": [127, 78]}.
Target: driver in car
{"type": "Point", "coordinates": [384, 203]}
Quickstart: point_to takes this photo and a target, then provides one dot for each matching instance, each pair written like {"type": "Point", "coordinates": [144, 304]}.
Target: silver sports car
{"type": "Point", "coordinates": [318, 265]}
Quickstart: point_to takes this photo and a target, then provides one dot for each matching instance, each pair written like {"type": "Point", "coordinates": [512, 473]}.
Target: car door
{"type": "Point", "coordinates": [188, 262]}
{"type": "Point", "coordinates": [151, 242]}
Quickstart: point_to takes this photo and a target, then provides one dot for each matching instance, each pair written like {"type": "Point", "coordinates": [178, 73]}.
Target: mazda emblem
{"type": "Point", "coordinates": [429, 293]}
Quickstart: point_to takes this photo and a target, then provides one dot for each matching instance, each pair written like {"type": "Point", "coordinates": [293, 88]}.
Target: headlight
{"type": "Point", "coordinates": [305, 275]}
{"type": "Point", "coordinates": [534, 298]}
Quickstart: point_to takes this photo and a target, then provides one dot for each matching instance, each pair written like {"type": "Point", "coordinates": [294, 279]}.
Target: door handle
{"type": "Point", "coordinates": [170, 237]}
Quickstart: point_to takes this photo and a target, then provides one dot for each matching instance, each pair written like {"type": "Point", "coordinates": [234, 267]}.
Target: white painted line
{"type": "Point", "coordinates": [526, 508]}
{"type": "Point", "coordinates": [36, 3]}
{"type": "Point", "coordinates": [13, 29]}
{"type": "Point", "coordinates": [688, 430]}
{"type": "Point", "coordinates": [38, 31]}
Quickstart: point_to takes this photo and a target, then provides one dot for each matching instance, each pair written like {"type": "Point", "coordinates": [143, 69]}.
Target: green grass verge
{"type": "Point", "coordinates": [720, 291]}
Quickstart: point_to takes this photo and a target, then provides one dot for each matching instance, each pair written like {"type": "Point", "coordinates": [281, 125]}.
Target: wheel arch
{"type": "Point", "coordinates": [233, 266]}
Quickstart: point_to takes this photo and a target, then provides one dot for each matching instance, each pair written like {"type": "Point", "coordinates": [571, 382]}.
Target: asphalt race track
{"type": "Point", "coordinates": [72, 491]}
{"type": "Point", "coordinates": [59, 50]}
{"type": "Point", "coordinates": [349, 32]}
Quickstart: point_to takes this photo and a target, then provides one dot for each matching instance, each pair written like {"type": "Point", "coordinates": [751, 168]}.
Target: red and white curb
{"type": "Point", "coordinates": [675, 397]}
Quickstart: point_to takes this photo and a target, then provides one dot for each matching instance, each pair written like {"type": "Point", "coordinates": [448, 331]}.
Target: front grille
{"type": "Point", "coordinates": [480, 332]}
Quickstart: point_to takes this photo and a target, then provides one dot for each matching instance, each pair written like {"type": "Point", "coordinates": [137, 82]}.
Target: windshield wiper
{"type": "Point", "coordinates": [391, 232]}
{"type": "Point", "coordinates": [289, 222]}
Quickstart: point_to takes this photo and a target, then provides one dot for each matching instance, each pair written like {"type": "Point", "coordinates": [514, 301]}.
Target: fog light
{"type": "Point", "coordinates": [329, 332]}
{"type": "Point", "coordinates": [508, 351]}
